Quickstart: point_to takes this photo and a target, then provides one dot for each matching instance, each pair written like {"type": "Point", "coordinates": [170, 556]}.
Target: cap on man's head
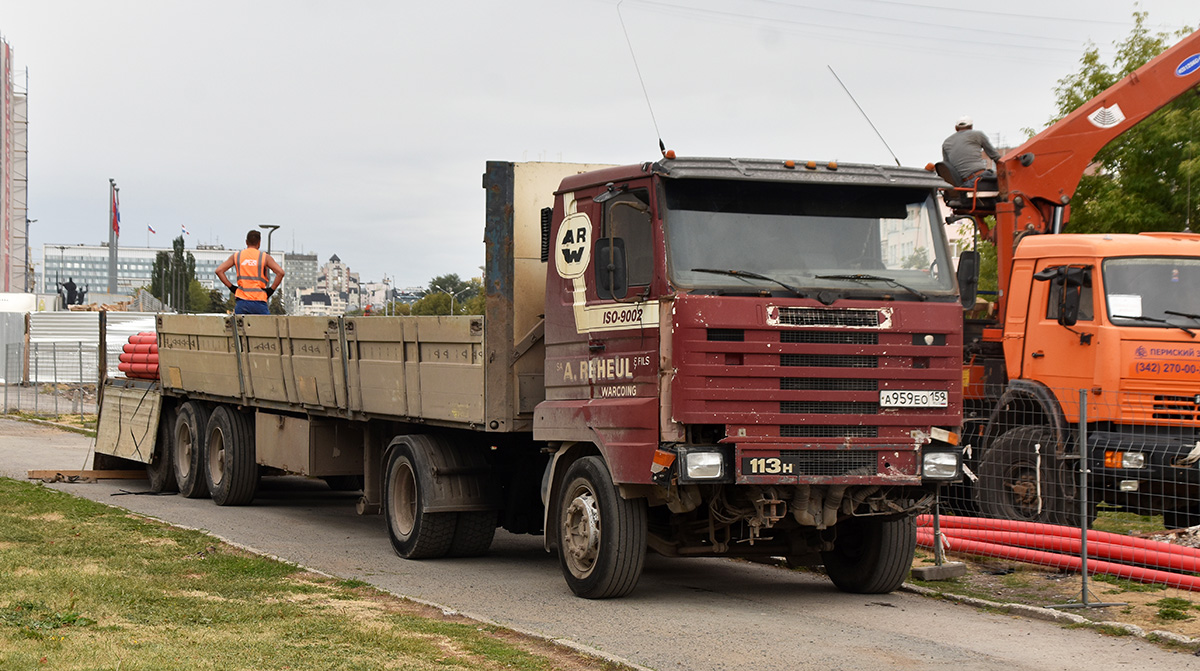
{"type": "Point", "coordinates": [964, 122]}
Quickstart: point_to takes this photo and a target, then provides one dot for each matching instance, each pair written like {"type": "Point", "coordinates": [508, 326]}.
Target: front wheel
{"type": "Point", "coordinates": [602, 537]}
{"type": "Point", "coordinates": [1020, 479]}
{"type": "Point", "coordinates": [161, 469]}
{"type": "Point", "coordinates": [871, 555]}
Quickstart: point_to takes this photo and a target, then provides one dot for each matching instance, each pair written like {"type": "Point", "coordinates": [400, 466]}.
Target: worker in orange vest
{"type": "Point", "coordinates": [253, 265]}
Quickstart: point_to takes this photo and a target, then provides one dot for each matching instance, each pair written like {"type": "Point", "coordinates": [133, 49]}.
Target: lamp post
{"type": "Point", "coordinates": [451, 293]}
{"type": "Point", "coordinates": [61, 264]}
{"type": "Point", "coordinates": [270, 229]}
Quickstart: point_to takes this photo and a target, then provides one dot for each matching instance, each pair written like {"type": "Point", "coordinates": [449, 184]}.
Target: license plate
{"type": "Point", "coordinates": [902, 398]}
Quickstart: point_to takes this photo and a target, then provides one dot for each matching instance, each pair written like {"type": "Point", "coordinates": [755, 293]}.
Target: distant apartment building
{"type": "Point", "coordinates": [302, 272]}
{"type": "Point", "coordinates": [337, 290]}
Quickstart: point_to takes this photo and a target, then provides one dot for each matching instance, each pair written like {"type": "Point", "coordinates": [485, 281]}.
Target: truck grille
{"type": "Point", "coordinates": [827, 384]}
{"type": "Point", "coordinates": [842, 462]}
{"type": "Point", "coordinates": [828, 317]}
{"type": "Point", "coordinates": [827, 338]}
{"type": "Point", "coordinates": [827, 431]}
{"type": "Point", "coordinates": [828, 360]}
{"type": "Point", "coordinates": [828, 408]}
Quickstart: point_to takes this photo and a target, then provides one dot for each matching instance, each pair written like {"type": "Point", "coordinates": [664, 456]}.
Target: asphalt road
{"type": "Point", "coordinates": [685, 614]}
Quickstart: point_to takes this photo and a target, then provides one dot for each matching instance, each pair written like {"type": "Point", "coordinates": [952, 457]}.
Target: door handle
{"type": "Point", "coordinates": [1038, 354]}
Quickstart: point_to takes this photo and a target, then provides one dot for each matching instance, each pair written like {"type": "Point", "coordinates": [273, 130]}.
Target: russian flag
{"type": "Point", "coordinates": [116, 213]}
{"type": "Point", "coordinates": [150, 228]}
{"type": "Point", "coordinates": [184, 229]}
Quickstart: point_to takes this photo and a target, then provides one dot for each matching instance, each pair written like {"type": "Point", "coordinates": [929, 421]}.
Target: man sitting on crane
{"type": "Point", "coordinates": [963, 152]}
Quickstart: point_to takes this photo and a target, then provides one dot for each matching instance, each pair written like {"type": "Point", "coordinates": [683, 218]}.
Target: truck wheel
{"type": "Point", "coordinates": [602, 537]}
{"type": "Point", "coordinates": [232, 471]}
{"type": "Point", "coordinates": [871, 555]}
{"type": "Point", "coordinates": [161, 469]}
{"type": "Point", "coordinates": [191, 425]}
{"type": "Point", "coordinates": [473, 534]}
{"type": "Point", "coordinates": [1018, 481]}
{"type": "Point", "coordinates": [415, 534]}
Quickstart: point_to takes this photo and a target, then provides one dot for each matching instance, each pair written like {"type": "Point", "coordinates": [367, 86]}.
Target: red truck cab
{"type": "Point", "coordinates": [761, 356]}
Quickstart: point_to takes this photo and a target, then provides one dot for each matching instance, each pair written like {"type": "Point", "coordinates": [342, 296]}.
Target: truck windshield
{"type": "Point", "coordinates": [1152, 291]}
{"type": "Point", "coordinates": [856, 240]}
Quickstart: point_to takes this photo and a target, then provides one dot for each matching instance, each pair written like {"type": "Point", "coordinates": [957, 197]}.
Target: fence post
{"type": "Point", "coordinates": [36, 377]}
{"type": "Point", "coordinates": [1083, 492]}
{"type": "Point", "coordinates": [54, 360]}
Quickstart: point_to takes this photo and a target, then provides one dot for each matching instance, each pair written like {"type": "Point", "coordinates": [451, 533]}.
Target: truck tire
{"type": "Point", "coordinates": [602, 537]}
{"type": "Point", "coordinates": [1019, 481]}
{"type": "Point", "coordinates": [232, 471]}
{"type": "Point", "coordinates": [415, 534]}
{"type": "Point", "coordinates": [473, 534]}
{"type": "Point", "coordinates": [871, 555]}
{"type": "Point", "coordinates": [191, 425]}
{"type": "Point", "coordinates": [161, 469]}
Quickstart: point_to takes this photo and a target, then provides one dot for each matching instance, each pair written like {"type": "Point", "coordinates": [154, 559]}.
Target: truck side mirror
{"type": "Point", "coordinates": [968, 277]}
{"type": "Point", "coordinates": [611, 280]}
{"type": "Point", "coordinates": [1068, 282]}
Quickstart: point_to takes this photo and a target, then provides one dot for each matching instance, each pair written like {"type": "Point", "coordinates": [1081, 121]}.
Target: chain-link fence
{"type": "Point", "coordinates": [1088, 480]}
{"type": "Point", "coordinates": [55, 380]}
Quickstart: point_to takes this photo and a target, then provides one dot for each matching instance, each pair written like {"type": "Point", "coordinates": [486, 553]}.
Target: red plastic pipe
{"type": "Point", "coordinates": [1156, 558]}
{"type": "Point", "coordinates": [955, 522]}
{"type": "Point", "coordinates": [139, 348]}
{"type": "Point", "coordinates": [1191, 583]}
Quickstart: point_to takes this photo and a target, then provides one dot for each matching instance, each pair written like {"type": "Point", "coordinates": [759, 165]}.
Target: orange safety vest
{"type": "Point", "coordinates": [251, 275]}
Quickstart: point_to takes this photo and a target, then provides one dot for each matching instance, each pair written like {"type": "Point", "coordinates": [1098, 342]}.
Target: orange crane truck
{"type": "Point", "coordinates": [695, 356]}
{"type": "Point", "coordinates": [1115, 315]}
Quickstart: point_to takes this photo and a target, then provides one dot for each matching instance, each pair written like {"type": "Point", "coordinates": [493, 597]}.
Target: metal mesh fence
{"type": "Point", "coordinates": [1084, 480]}
{"type": "Point", "coordinates": [53, 381]}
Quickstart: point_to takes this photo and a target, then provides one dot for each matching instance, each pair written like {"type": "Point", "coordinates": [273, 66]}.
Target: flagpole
{"type": "Point", "coordinates": [114, 209]}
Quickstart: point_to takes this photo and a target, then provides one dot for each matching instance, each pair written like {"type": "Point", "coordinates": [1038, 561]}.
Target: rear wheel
{"type": "Point", "coordinates": [231, 468]}
{"type": "Point", "coordinates": [161, 469]}
{"type": "Point", "coordinates": [602, 537]}
{"type": "Point", "coordinates": [871, 555]}
{"type": "Point", "coordinates": [191, 426]}
{"type": "Point", "coordinates": [415, 534]}
{"type": "Point", "coordinates": [473, 534]}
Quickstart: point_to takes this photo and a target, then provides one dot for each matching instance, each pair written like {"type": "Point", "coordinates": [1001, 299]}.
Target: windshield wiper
{"type": "Point", "coordinates": [874, 278]}
{"type": "Point", "coordinates": [1156, 320]}
{"type": "Point", "coordinates": [1182, 314]}
{"type": "Point", "coordinates": [751, 275]}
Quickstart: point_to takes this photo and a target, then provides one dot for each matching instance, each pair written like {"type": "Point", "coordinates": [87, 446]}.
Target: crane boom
{"type": "Point", "coordinates": [1038, 179]}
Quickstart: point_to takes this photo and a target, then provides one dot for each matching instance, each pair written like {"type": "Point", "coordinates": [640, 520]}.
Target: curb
{"type": "Point", "coordinates": [1052, 615]}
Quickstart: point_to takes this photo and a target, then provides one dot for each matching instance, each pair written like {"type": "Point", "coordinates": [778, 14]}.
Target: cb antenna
{"type": "Point", "coordinates": [661, 147]}
{"type": "Point", "coordinates": [860, 109]}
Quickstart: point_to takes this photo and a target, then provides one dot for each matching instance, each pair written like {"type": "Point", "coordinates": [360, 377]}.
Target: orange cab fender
{"type": "Point", "coordinates": [1027, 403]}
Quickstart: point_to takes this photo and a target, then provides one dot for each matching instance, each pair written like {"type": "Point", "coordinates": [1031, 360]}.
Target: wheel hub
{"type": "Point", "coordinates": [581, 531]}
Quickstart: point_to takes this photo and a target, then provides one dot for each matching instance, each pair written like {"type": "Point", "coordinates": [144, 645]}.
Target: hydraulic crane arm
{"type": "Point", "coordinates": [1038, 179]}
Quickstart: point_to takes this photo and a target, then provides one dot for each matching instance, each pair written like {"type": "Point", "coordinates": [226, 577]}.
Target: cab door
{"type": "Point", "coordinates": [1061, 356]}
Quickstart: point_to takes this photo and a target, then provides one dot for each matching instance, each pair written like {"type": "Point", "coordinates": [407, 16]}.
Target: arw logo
{"type": "Point", "coordinates": [573, 252]}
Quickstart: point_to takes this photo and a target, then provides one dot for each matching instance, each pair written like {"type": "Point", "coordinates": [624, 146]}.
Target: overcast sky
{"type": "Point", "coordinates": [361, 127]}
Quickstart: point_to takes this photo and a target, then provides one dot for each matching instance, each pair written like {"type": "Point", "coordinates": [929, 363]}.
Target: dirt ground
{"type": "Point", "coordinates": [1151, 607]}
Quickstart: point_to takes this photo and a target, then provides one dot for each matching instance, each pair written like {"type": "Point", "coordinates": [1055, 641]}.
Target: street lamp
{"type": "Point", "coordinates": [452, 294]}
{"type": "Point", "coordinates": [61, 267]}
{"type": "Point", "coordinates": [270, 229]}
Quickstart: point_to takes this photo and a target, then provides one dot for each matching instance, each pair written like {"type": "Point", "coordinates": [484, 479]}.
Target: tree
{"type": "Point", "coordinates": [275, 307]}
{"type": "Point", "coordinates": [1145, 177]}
{"type": "Point", "coordinates": [198, 298]}
{"type": "Point", "coordinates": [219, 301]}
{"type": "Point", "coordinates": [171, 279]}
{"type": "Point", "coordinates": [435, 303]}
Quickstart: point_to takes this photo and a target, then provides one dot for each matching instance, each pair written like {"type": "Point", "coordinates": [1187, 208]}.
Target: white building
{"type": "Point", "coordinates": [87, 266]}
{"type": "Point", "coordinates": [337, 291]}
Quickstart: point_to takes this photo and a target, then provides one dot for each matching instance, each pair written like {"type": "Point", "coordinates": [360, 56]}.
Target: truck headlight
{"type": "Point", "coordinates": [1119, 459]}
{"type": "Point", "coordinates": [704, 465]}
{"type": "Point", "coordinates": [941, 465]}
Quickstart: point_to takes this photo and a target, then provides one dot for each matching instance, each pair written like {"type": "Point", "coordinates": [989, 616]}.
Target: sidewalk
{"type": "Point", "coordinates": [25, 446]}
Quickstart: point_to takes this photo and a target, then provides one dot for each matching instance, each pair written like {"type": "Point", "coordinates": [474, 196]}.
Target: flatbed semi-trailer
{"type": "Point", "coordinates": [702, 357]}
